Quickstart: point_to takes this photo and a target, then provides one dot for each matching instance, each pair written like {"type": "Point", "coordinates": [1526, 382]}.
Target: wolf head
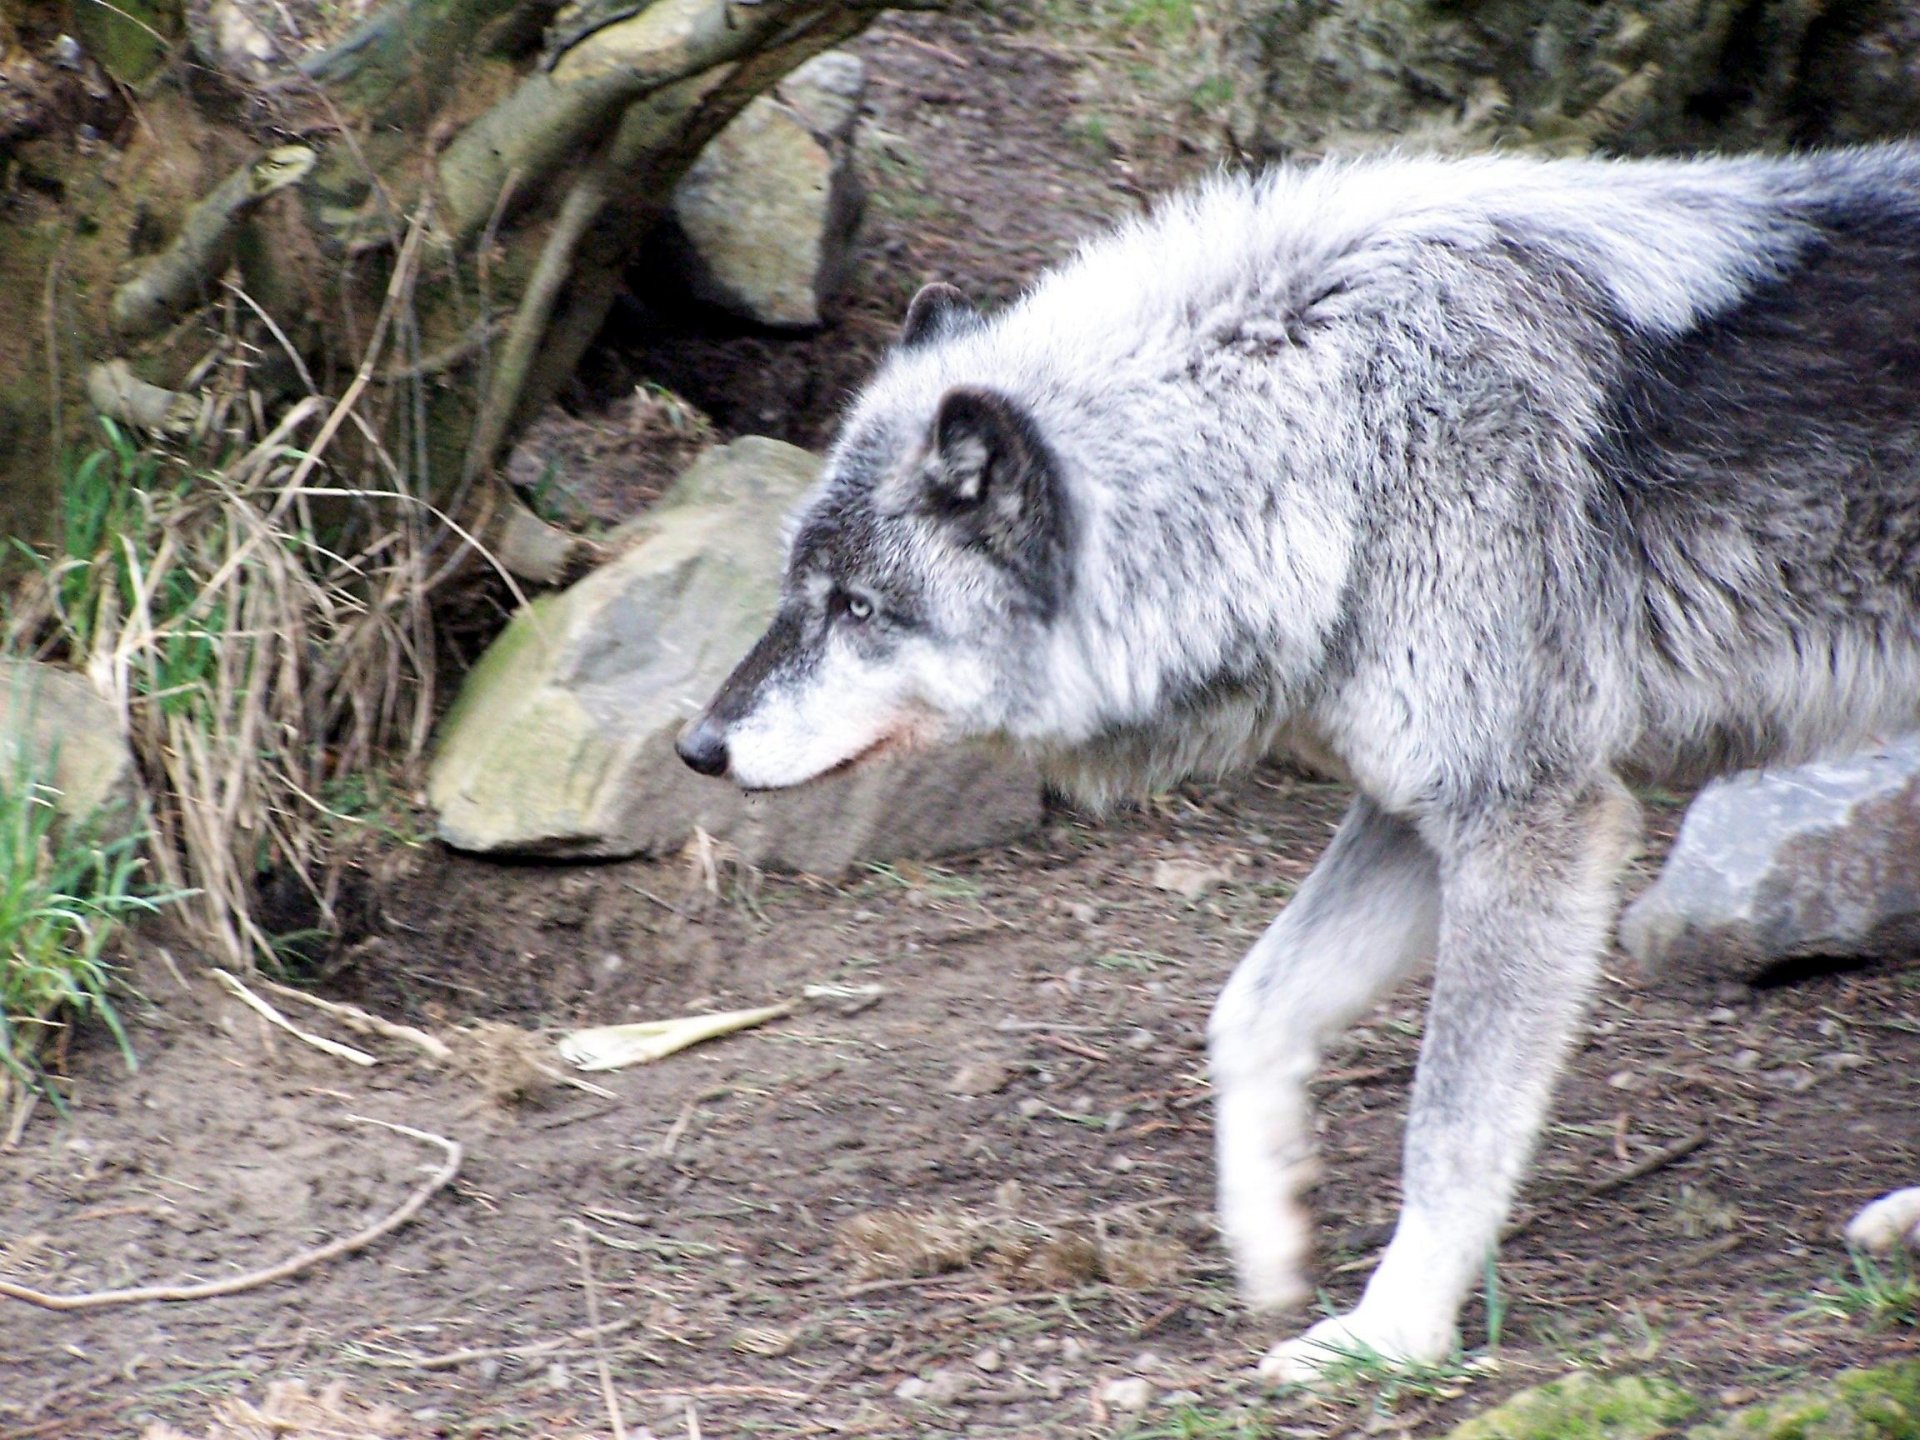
{"type": "Point", "coordinates": [932, 555]}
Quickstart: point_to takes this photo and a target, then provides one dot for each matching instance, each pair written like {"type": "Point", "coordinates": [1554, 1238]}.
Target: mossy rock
{"type": "Point", "coordinates": [1582, 1406]}
{"type": "Point", "coordinates": [1881, 1404]}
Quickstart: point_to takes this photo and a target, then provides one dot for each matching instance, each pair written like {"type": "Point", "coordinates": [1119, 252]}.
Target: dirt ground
{"type": "Point", "coordinates": [968, 1190]}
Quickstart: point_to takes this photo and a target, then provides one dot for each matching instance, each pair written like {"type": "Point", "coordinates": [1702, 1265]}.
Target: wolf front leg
{"type": "Point", "coordinates": [1366, 916]}
{"type": "Point", "coordinates": [1526, 901]}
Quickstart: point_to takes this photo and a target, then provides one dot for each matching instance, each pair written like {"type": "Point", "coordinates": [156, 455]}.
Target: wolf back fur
{"type": "Point", "coordinates": [1498, 484]}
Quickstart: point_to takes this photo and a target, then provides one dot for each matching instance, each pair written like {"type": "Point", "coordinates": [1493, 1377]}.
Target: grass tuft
{"type": "Point", "coordinates": [1883, 1291]}
{"type": "Point", "coordinates": [263, 627]}
{"type": "Point", "coordinates": [65, 891]}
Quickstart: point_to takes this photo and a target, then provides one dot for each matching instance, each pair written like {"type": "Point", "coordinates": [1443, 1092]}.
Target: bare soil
{"type": "Point", "coordinates": [963, 1202]}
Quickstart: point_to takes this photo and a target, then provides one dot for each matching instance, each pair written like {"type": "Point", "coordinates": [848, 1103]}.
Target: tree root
{"type": "Point", "coordinates": [182, 276]}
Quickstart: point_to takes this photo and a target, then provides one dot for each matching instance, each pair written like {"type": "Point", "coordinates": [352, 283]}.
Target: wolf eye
{"type": "Point", "coordinates": [857, 608]}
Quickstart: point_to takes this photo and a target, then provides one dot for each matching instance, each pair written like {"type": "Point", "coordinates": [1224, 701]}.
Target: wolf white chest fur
{"type": "Point", "coordinates": [1495, 482]}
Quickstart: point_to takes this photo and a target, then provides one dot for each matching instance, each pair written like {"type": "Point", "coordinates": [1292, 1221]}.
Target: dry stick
{"type": "Point", "coordinates": [453, 1359]}
{"type": "Point", "coordinates": [611, 1400]}
{"type": "Point", "coordinates": [355, 1018]}
{"type": "Point", "coordinates": [584, 202]}
{"type": "Point", "coordinates": [50, 318]}
{"type": "Point", "coordinates": [293, 1265]}
{"type": "Point", "coordinates": [1678, 1150]}
{"type": "Point", "coordinates": [274, 1017]}
{"type": "Point", "coordinates": [1660, 1159]}
{"type": "Point", "coordinates": [397, 286]}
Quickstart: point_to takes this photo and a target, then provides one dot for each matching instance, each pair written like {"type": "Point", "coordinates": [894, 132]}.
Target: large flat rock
{"type": "Point", "coordinates": [561, 740]}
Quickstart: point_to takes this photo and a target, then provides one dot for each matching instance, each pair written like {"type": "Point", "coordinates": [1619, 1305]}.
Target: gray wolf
{"type": "Point", "coordinates": [1498, 485]}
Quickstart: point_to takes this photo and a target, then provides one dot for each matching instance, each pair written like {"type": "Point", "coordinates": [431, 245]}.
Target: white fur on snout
{"type": "Point", "coordinates": [843, 709]}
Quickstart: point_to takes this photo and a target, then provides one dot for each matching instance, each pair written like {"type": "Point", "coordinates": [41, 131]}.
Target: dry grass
{"type": "Point", "coordinates": [1059, 1253]}
{"type": "Point", "coordinates": [258, 612]}
{"type": "Point", "coordinates": [290, 1411]}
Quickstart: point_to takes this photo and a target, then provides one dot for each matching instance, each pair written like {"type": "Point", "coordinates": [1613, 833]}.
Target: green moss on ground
{"type": "Point", "coordinates": [1583, 1406]}
{"type": "Point", "coordinates": [1878, 1404]}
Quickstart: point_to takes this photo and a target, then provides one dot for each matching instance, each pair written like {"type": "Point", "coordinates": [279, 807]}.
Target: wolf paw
{"type": "Point", "coordinates": [1352, 1337]}
{"type": "Point", "coordinates": [1271, 1276]}
{"type": "Point", "coordinates": [1888, 1222]}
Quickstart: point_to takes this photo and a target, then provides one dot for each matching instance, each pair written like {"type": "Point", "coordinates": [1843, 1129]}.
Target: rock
{"type": "Point", "coordinates": [1823, 860]}
{"type": "Point", "coordinates": [561, 740]}
{"type": "Point", "coordinates": [1582, 1406]}
{"type": "Point", "coordinates": [979, 1077]}
{"type": "Point", "coordinates": [1571, 76]}
{"type": "Point", "coordinates": [1129, 1394]}
{"type": "Point", "coordinates": [762, 224]}
{"type": "Point", "coordinates": [72, 740]}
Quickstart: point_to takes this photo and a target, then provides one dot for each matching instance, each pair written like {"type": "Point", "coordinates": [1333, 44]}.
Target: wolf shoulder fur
{"type": "Point", "coordinates": [1496, 483]}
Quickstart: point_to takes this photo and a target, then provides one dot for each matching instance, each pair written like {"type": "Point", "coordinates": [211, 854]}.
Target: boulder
{"type": "Point", "coordinates": [561, 740]}
{"type": "Point", "coordinates": [1819, 861]}
{"type": "Point", "coordinates": [56, 728]}
{"type": "Point", "coordinates": [762, 224]}
{"type": "Point", "coordinates": [1309, 77]}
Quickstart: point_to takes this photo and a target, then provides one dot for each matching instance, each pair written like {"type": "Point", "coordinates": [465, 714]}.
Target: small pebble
{"type": "Point", "coordinates": [987, 1359]}
{"type": "Point", "coordinates": [979, 1077]}
{"type": "Point", "coordinates": [948, 1384]}
{"type": "Point", "coordinates": [1134, 1392]}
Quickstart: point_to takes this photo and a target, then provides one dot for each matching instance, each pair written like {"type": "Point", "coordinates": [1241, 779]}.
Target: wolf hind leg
{"type": "Point", "coordinates": [1889, 1222]}
{"type": "Point", "coordinates": [1366, 916]}
{"type": "Point", "coordinates": [1526, 903]}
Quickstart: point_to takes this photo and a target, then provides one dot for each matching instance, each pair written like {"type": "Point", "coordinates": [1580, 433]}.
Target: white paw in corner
{"type": "Point", "coordinates": [1887, 1223]}
{"type": "Point", "coordinates": [1356, 1335]}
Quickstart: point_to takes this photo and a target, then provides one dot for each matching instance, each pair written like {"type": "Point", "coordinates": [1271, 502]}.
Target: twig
{"type": "Point", "coordinates": [1679, 1150]}
{"type": "Point", "coordinates": [714, 1392]}
{"type": "Point", "coordinates": [354, 1018]}
{"type": "Point", "coordinates": [293, 1265]}
{"type": "Point", "coordinates": [1074, 1047]}
{"type": "Point", "coordinates": [611, 1400]}
{"type": "Point", "coordinates": [1660, 1159]}
{"type": "Point", "coordinates": [678, 1129]}
{"type": "Point", "coordinates": [453, 1359]}
{"type": "Point", "coordinates": [1700, 1254]}
{"type": "Point", "coordinates": [274, 1017]}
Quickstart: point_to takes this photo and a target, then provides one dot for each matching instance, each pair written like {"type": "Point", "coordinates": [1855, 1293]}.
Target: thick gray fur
{"type": "Point", "coordinates": [1495, 484]}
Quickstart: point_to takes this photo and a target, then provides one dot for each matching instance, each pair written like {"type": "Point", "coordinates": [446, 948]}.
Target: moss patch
{"type": "Point", "coordinates": [1585, 1407]}
{"type": "Point", "coordinates": [1881, 1404]}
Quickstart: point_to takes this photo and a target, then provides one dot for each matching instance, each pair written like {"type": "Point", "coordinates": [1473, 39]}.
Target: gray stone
{"type": "Point", "coordinates": [763, 221]}
{"type": "Point", "coordinates": [561, 740]}
{"type": "Point", "coordinates": [1819, 861]}
{"type": "Point", "coordinates": [1309, 77]}
{"type": "Point", "coordinates": [72, 739]}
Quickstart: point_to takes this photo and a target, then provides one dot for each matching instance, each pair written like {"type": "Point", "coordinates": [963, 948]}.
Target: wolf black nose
{"type": "Point", "coordinates": [703, 747]}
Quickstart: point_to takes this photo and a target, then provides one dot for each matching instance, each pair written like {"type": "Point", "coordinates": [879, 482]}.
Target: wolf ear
{"type": "Point", "coordinates": [937, 312]}
{"type": "Point", "coordinates": [990, 474]}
